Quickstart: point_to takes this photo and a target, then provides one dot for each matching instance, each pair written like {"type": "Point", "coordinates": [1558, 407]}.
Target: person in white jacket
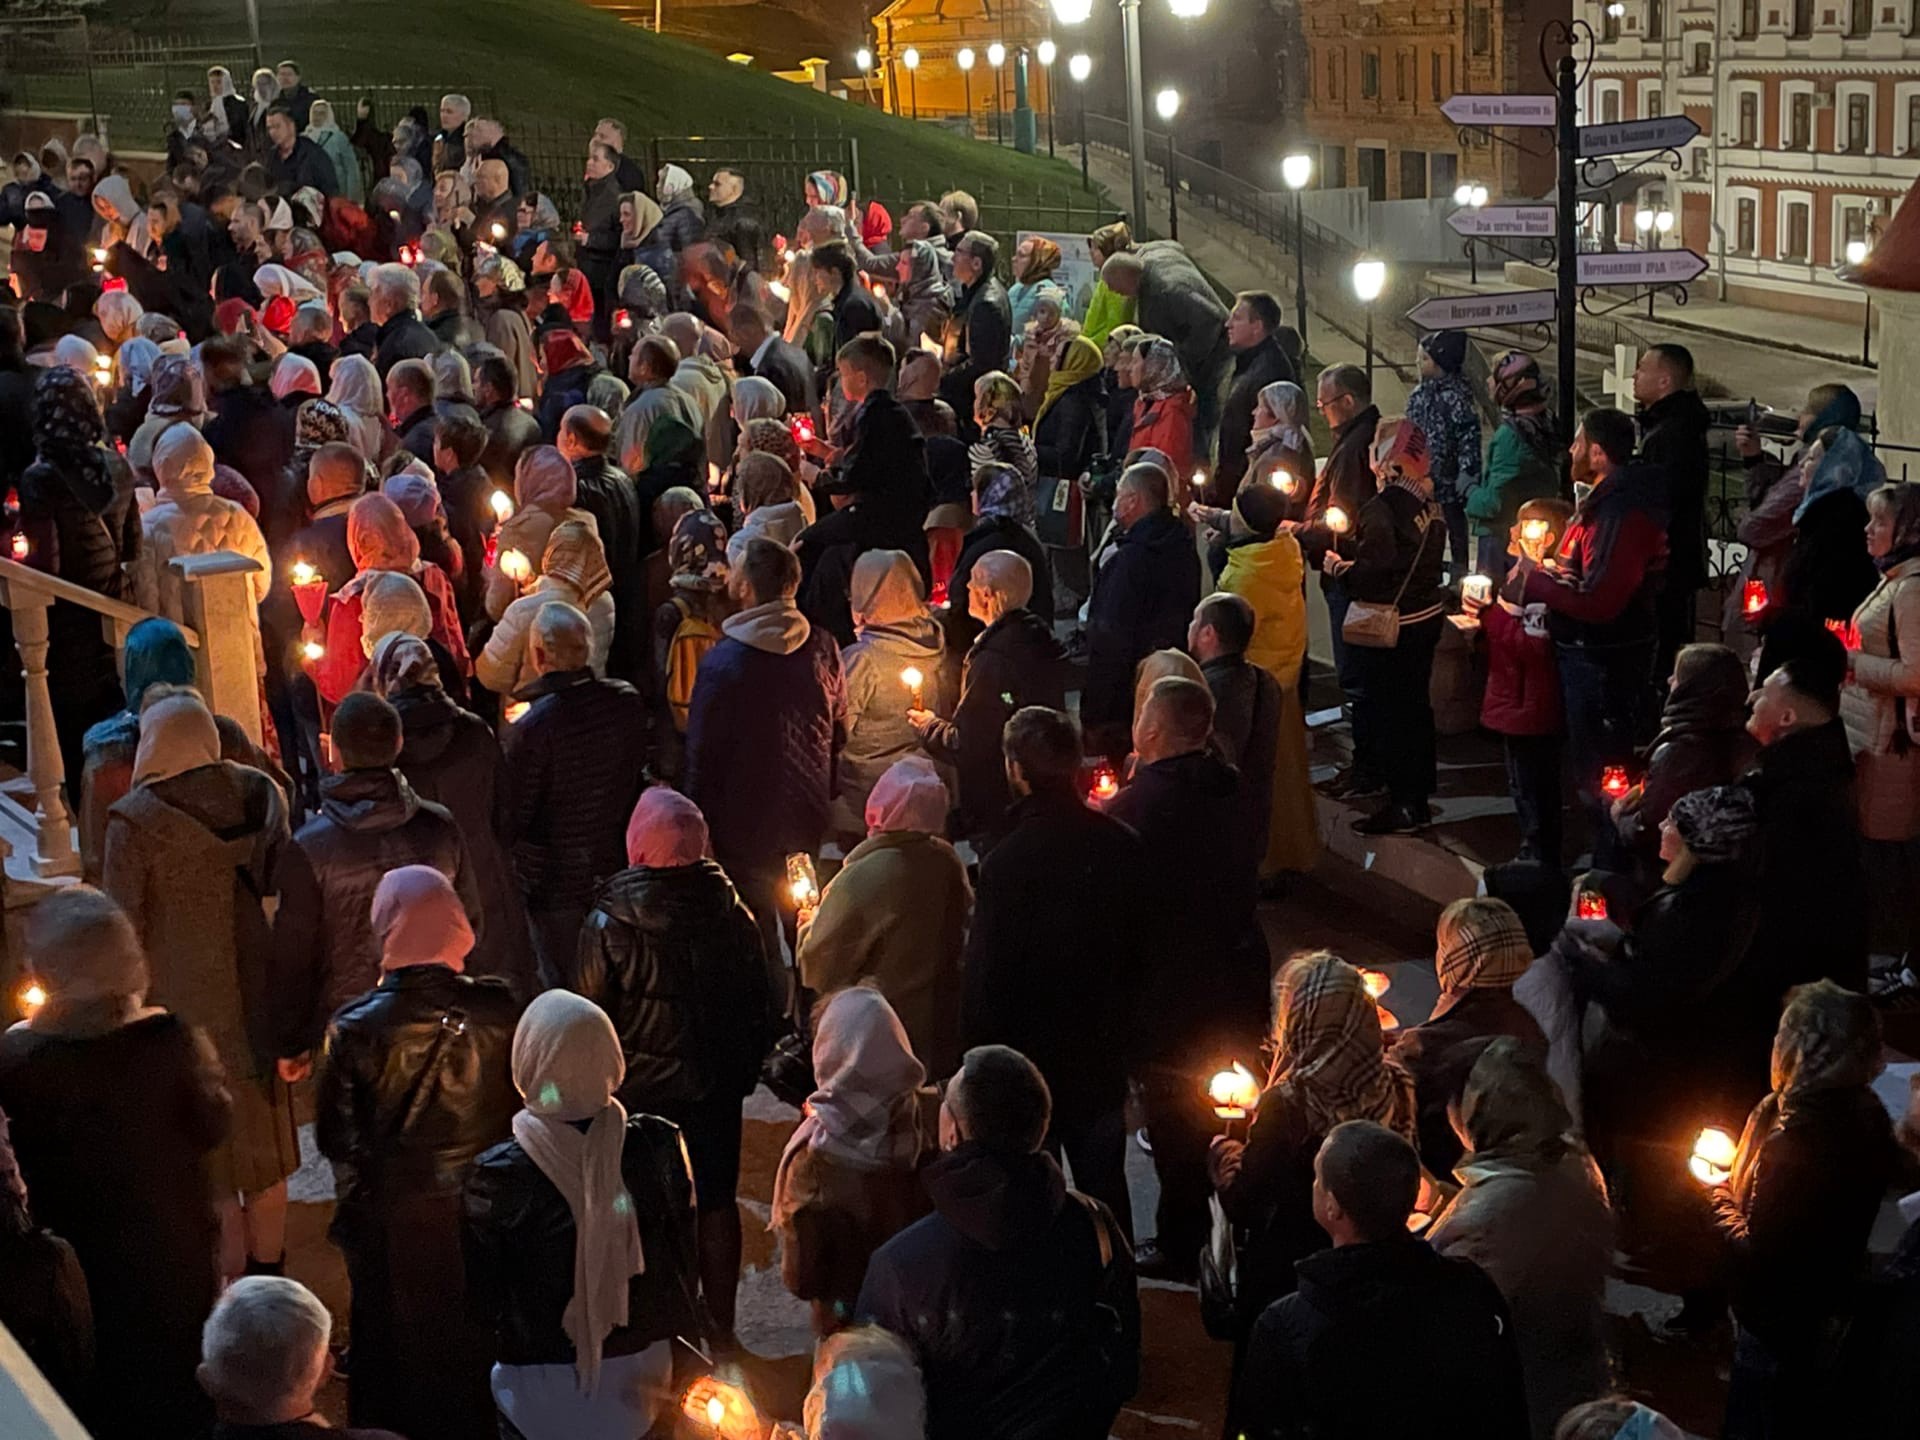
{"type": "Point", "coordinates": [573, 569]}
{"type": "Point", "coordinates": [189, 519]}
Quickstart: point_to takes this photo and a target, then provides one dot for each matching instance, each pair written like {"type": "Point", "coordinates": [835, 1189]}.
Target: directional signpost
{"type": "Point", "coordinates": [1472, 312]}
{"type": "Point", "coordinates": [1663, 132]}
{"type": "Point", "coordinates": [1641, 267]}
{"type": "Point", "coordinates": [1540, 110]}
{"type": "Point", "coordinates": [1526, 221]}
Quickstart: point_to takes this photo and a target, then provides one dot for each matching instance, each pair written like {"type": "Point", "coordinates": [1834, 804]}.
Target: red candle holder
{"type": "Point", "coordinates": [1753, 598]}
{"type": "Point", "coordinates": [309, 591]}
{"type": "Point", "coordinates": [1105, 784]}
{"type": "Point", "coordinates": [1614, 782]}
{"type": "Point", "coordinates": [1591, 905]}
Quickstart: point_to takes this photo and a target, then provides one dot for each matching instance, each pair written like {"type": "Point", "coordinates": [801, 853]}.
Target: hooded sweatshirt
{"type": "Point", "coordinates": [189, 519]}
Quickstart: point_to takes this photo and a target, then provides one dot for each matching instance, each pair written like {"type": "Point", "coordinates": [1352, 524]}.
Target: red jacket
{"type": "Point", "coordinates": [1166, 423]}
{"type": "Point", "coordinates": [339, 670]}
{"type": "Point", "coordinates": [1523, 681]}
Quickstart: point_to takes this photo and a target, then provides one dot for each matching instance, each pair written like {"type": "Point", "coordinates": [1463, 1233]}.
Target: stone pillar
{"type": "Point", "coordinates": [221, 611]}
{"type": "Point", "coordinates": [53, 828]}
{"type": "Point", "coordinates": [1897, 411]}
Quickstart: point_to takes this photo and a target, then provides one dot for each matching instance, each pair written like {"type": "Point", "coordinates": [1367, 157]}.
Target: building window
{"type": "Point", "coordinates": [1802, 20]}
{"type": "Point", "coordinates": [1610, 24]}
{"type": "Point", "coordinates": [1800, 122]}
{"type": "Point", "coordinates": [1749, 119]}
{"type": "Point", "coordinates": [1480, 29]}
{"type": "Point", "coordinates": [1610, 106]}
{"type": "Point", "coordinates": [1746, 226]}
{"type": "Point", "coordinates": [1333, 74]}
{"type": "Point", "coordinates": [1702, 58]}
{"type": "Point", "coordinates": [1795, 244]}
{"type": "Point", "coordinates": [1372, 174]}
{"type": "Point", "coordinates": [1446, 173]}
{"type": "Point", "coordinates": [1859, 18]}
{"type": "Point", "coordinates": [1656, 19]}
{"type": "Point", "coordinates": [1857, 124]}
{"type": "Point", "coordinates": [1749, 19]}
{"type": "Point", "coordinates": [1401, 63]}
{"type": "Point", "coordinates": [1913, 125]}
{"type": "Point", "coordinates": [1699, 160]}
{"type": "Point", "coordinates": [1369, 74]}
{"type": "Point", "coordinates": [1649, 102]}
{"type": "Point", "coordinates": [1413, 174]}
{"type": "Point", "coordinates": [1335, 172]}
{"type": "Point", "coordinates": [1436, 82]}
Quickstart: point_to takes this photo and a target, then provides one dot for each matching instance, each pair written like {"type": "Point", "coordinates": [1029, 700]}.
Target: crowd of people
{"type": "Point", "coordinates": [623, 577]}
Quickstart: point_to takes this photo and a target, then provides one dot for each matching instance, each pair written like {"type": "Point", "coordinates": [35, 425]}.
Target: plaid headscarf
{"type": "Point", "coordinates": [1481, 946]}
{"type": "Point", "coordinates": [1327, 1049]}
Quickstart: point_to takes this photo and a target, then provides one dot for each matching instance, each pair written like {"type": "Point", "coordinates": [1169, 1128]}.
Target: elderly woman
{"type": "Point", "coordinates": [584, 1296]}
{"type": "Point", "coordinates": [191, 857]}
{"type": "Point", "coordinates": [895, 916]}
{"type": "Point", "coordinates": [849, 1178]}
{"type": "Point", "coordinates": [325, 132]}
{"type": "Point", "coordinates": [187, 518]}
{"type": "Point", "coordinates": [1069, 413]}
{"type": "Point", "coordinates": [1281, 452]}
{"type": "Point", "coordinates": [544, 492]}
{"type": "Point", "coordinates": [1163, 406]}
{"type": "Point", "coordinates": [450, 756]}
{"type": "Point", "coordinates": [1533, 1214]}
{"type": "Point", "coordinates": [1035, 259]}
{"type": "Point", "coordinates": [500, 303]}
{"type": "Point", "coordinates": [1878, 705]}
{"type": "Point", "coordinates": [294, 381]}
{"type": "Point", "coordinates": [1813, 1166]}
{"type": "Point", "coordinates": [1480, 950]}
{"type": "Point", "coordinates": [674, 958]}
{"type": "Point", "coordinates": [114, 1106]}
{"type": "Point", "coordinates": [923, 300]}
{"type": "Point", "coordinates": [380, 540]}
{"type": "Point", "coordinates": [415, 1083]}
{"type": "Point", "coordinates": [1328, 1067]}
{"type": "Point", "coordinates": [999, 412]}
{"type": "Point", "coordinates": [176, 393]}
{"type": "Point", "coordinates": [573, 569]}
{"type": "Point", "coordinates": [894, 632]}
{"type": "Point", "coordinates": [357, 391]}
{"type": "Point", "coordinates": [1040, 343]}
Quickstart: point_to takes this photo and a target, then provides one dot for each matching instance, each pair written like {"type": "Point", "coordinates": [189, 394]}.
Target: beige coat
{"type": "Point", "coordinates": [1886, 672]}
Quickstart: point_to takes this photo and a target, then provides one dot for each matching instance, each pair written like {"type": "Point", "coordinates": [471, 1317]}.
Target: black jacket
{"type": "Point", "coordinates": [1143, 597]}
{"type": "Point", "coordinates": [1397, 548]}
{"type": "Point", "coordinates": [574, 766]}
{"type": "Point", "coordinates": [253, 432]}
{"type": "Point", "coordinates": [675, 960]}
{"type": "Point", "coordinates": [415, 430]}
{"type": "Point", "coordinates": [787, 366]}
{"type": "Point", "coordinates": [854, 314]}
{"type": "Point", "coordinates": [1253, 371]}
{"type": "Point", "coordinates": [608, 493]}
{"type": "Point", "coordinates": [307, 168]}
{"type": "Point", "coordinates": [1020, 1332]}
{"type": "Point", "coordinates": [979, 338]}
{"type": "Point", "coordinates": [1189, 815]}
{"type": "Point", "coordinates": [1346, 480]}
{"type": "Point", "coordinates": [990, 533]}
{"type": "Point", "coordinates": [403, 337]}
{"type": "Point", "coordinates": [325, 951]}
{"type": "Point", "coordinates": [1674, 437]}
{"type": "Point", "coordinates": [456, 330]}
{"type": "Point", "coordinates": [1440, 1052]}
{"type": "Point", "coordinates": [1073, 430]}
{"type": "Point", "coordinates": [1828, 570]}
{"type": "Point", "coordinates": [1073, 885]}
{"type": "Point", "coordinates": [738, 225]}
{"type": "Point", "coordinates": [417, 1080]}
{"type": "Point", "coordinates": [1012, 663]}
{"type": "Point", "coordinates": [885, 465]}
{"type": "Point", "coordinates": [1177, 302]}
{"type": "Point", "coordinates": [1246, 728]}
{"type": "Point", "coordinates": [510, 430]}
{"type": "Point", "coordinates": [1313, 1371]}
{"type": "Point", "coordinates": [519, 1240]}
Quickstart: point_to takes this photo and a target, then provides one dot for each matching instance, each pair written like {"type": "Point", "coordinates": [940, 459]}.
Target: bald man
{"type": "Point", "coordinates": [1014, 662]}
{"type": "Point", "coordinates": [609, 494]}
{"type": "Point", "coordinates": [1185, 805]}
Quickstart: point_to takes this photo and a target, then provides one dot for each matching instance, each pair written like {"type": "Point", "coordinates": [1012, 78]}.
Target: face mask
{"type": "Point", "coordinates": [183, 113]}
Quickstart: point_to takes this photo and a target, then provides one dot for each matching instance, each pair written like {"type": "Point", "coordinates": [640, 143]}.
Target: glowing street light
{"type": "Point", "coordinates": [965, 58]}
{"type": "Point", "coordinates": [1046, 52]}
{"type": "Point", "coordinates": [1166, 104]}
{"type": "Point", "coordinates": [910, 57]}
{"type": "Point", "coordinates": [1297, 170]}
{"type": "Point", "coordinates": [1857, 252]}
{"type": "Point", "coordinates": [1369, 279]}
{"type": "Point", "coordinates": [996, 55]}
{"type": "Point", "coordinates": [965, 61]}
{"type": "Point", "coordinates": [1080, 66]}
{"type": "Point", "coordinates": [1470, 195]}
{"type": "Point", "coordinates": [863, 59]}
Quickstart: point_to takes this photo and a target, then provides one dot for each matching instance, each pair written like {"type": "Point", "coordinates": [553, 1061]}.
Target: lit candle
{"type": "Point", "coordinates": [303, 573]}
{"type": "Point", "coordinates": [1590, 905]}
{"type": "Point", "coordinates": [525, 402]}
{"type": "Point", "coordinates": [1336, 520]}
{"type": "Point", "coordinates": [309, 591]}
{"type": "Point", "coordinates": [724, 1410]}
{"type": "Point", "coordinates": [32, 996]}
{"type": "Point", "coordinates": [879, 290]}
{"type": "Point", "coordinates": [1235, 1093]}
{"type": "Point", "coordinates": [624, 320]}
{"type": "Point", "coordinates": [1713, 1155]}
{"type": "Point", "coordinates": [1534, 531]}
{"type": "Point", "coordinates": [1614, 782]}
{"type": "Point", "coordinates": [515, 709]}
{"type": "Point", "coordinates": [1477, 588]}
{"type": "Point", "coordinates": [502, 504]}
{"type": "Point", "coordinates": [516, 567]}
{"type": "Point", "coordinates": [20, 545]}
{"type": "Point", "coordinates": [99, 256]}
{"type": "Point", "coordinates": [313, 652]}
{"type": "Point", "coordinates": [499, 231]}
{"type": "Point", "coordinates": [802, 428]}
{"type": "Point", "coordinates": [1199, 481]}
{"type": "Point", "coordinates": [1283, 480]}
{"type": "Point", "coordinates": [1753, 597]}
{"type": "Point", "coordinates": [780, 291]}
{"type": "Point", "coordinates": [1377, 983]}
{"type": "Point", "coordinates": [1105, 785]}
{"type": "Point", "coordinates": [802, 884]}
{"type": "Point", "coordinates": [912, 679]}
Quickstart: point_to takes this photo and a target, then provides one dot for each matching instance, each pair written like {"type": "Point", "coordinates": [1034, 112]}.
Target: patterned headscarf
{"type": "Point", "coordinates": [1481, 945]}
{"type": "Point", "coordinates": [574, 554]}
{"type": "Point", "coordinates": [830, 186]}
{"type": "Point", "coordinates": [1327, 1048]}
{"type": "Point", "coordinates": [178, 389]}
{"type": "Point", "coordinates": [1001, 490]}
{"type": "Point", "coordinates": [1044, 259]}
{"type": "Point", "coordinates": [402, 661]}
{"type": "Point", "coordinates": [674, 182]}
{"type": "Point", "coordinates": [773, 437]}
{"type": "Point", "coordinates": [1157, 368]}
{"type": "Point", "coordinates": [697, 553]}
{"type": "Point", "coordinates": [134, 363]}
{"type": "Point", "coordinates": [379, 538]}
{"type": "Point", "coordinates": [1718, 824]}
{"type": "Point", "coordinates": [1829, 1039]}
{"type": "Point", "coordinates": [317, 423]}
{"type": "Point", "coordinates": [67, 431]}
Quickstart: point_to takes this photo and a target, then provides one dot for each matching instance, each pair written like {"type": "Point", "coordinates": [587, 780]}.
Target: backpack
{"type": "Point", "coordinates": [693, 637]}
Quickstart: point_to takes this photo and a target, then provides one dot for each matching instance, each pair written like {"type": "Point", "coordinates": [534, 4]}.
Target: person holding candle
{"type": "Point", "coordinates": [574, 571]}
{"type": "Point", "coordinates": [381, 542]}
{"type": "Point", "coordinates": [1813, 1166]}
{"type": "Point", "coordinates": [1703, 741]}
{"type": "Point", "coordinates": [1280, 449]}
{"type": "Point", "coordinates": [545, 494]}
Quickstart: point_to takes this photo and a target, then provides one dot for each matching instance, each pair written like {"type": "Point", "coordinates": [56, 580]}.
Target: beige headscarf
{"type": "Point", "coordinates": [567, 1065]}
{"type": "Point", "coordinates": [885, 589]}
{"type": "Point", "coordinates": [177, 734]}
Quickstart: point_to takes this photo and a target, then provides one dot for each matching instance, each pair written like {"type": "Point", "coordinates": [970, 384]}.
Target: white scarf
{"type": "Point", "coordinates": [566, 1065]}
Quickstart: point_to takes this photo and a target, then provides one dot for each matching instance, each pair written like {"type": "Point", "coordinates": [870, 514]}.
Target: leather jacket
{"type": "Point", "coordinates": [417, 1080]}
{"type": "Point", "coordinates": [676, 960]}
{"type": "Point", "coordinates": [519, 1238]}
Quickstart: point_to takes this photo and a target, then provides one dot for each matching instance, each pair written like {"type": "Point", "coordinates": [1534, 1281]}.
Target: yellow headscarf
{"type": "Point", "coordinates": [1081, 360]}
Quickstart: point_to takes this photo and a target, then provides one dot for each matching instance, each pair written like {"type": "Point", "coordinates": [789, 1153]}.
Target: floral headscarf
{"type": "Point", "coordinates": [1158, 368]}
{"type": "Point", "coordinates": [1327, 1048]}
{"type": "Point", "coordinates": [697, 553]}
{"type": "Point", "coordinates": [316, 423]}
{"type": "Point", "coordinates": [1001, 490]}
{"type": "Point", "coordinates": [178, 390]}
{"type": "Point", "coordinates": [773, 437]}
{"type": "Point", "coordinates": [67, 431]}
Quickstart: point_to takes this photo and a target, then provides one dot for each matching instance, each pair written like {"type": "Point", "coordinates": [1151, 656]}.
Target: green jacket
{"type": "Point", "coordinates": [1514, 474]}
{"type": "Point", "coordinates": [1104, 311]}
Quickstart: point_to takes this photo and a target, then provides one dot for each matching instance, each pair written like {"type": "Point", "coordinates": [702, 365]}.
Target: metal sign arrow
{"type": "Point", "coordinates": [1468, 312]}
{"type": "Point", "coordinates": [1640, 267]}
{"type": "Point", "coordinates": [1659, 133]}
{"type": "Point", "coordinates": [1501, 109]}
{"type": "Point", "coordinates": [1527, 221]}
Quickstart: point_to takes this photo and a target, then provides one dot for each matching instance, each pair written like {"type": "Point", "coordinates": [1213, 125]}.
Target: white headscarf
{"type": "Point", "coordinates": [567, 1065]}
{"type": "Point", "coordinates": [294, 373]}
{"type": "Point", "coordinates": [757, 398]}
{"type": "Point", "coordinates": [356, 390]}
{"type": "Point", "coordinates": [673, 181]}
{"type": "Point", "coordinates": [277, 281]}
{"type": "Point", "coordinates": [135, 363]}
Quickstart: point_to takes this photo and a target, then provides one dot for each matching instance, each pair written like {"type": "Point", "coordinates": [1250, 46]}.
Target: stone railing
{"type": "Point", "coordinates": [221, 626]}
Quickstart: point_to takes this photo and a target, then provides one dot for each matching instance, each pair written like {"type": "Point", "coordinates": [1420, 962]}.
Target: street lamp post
{"type": "Point", "coordinates": [911, 59]}
{"type": "Point", "coordinates": [1369, 279]}
{"type": "Point", "coordinates": [965, 61]}
{"type": "Point", "coordinates": [1080, 67]}
{"type": "Point", "coordinates": [1046, 52]}
{"type": "Point", "coordinates": [1856, 255]}
{"type": "Point", "coordinates": [1076, 12]}
{"type": "Point", "coordinates": [1471, 197]}
{"type": "Point", "coordinates": [996, 57]}
{"type": "Point", "coordinates": [1296, 170]}
{"type": "Point", "coordinates": [1167, 105]}
{"type": "Point", "coordinates": [863, 58]}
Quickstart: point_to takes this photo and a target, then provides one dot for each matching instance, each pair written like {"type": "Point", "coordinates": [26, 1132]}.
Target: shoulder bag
{"type": "Point", "coordinates": [1377, 626]}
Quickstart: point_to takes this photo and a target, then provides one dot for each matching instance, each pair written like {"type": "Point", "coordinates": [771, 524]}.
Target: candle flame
{"type": "Point", "coordinates": [1713, 1155]}
{"type": "Point", "coordinates": [516, 709]}
{"type": "Point", "coordinates": [1234, 1092]}
{"type": "Point", "coordinates": [313, 651]}
{"type": "Point", "coordinates": [1377, 983]}
{"type": "Point", "coordinates": [1614, 782]}
{"type": "Point", "coordinates": [802, 889]}
{"type": "Point", "coordinates": [1535, 530]}
{"type": "Point", "coordinates": [21, 546]}
{"type": "Point", "coordinates": [716, 1411]}
{"type": "Point", "coordinates": [1283, 481]}
{"type": "Point", "coordinates": [1337, 520]}
{"type": "Point", "coordinates": [99, 255]}
{"type": "Point", "coordinates": [32, 996]}
{"type": "Point", "coordinates": [911, 678]}
{"type": "Point", "coordinates": [303, 573]}
{"type": "Point", "coordinates": [1106, 784]}
{"type": "Point", "coordinates": [502, 504]}
{"type": "Point", "coordinates": [515, 566]}
{"type": "Point", "coordinates": [722, 1408]}
{"type": "Point", "coordinates": [499, 231]}
{"type": "Point", "coordinates": [1753, 600]}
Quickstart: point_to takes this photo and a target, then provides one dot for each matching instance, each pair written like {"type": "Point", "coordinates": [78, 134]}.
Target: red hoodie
{"type": "Point", "coordinates": [1523, 680]}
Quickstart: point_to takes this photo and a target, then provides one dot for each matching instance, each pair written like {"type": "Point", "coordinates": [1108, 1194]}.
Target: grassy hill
{"type": "Point", "coordinates": [553, 67]}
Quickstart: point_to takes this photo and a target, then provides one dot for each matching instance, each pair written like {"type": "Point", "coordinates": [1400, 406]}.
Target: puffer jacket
{"type": "Point", "coordinates": [417, 1080]}
{"type": "Point", "coordinates": [527, 530]}
{"type": "Point", "coordinates": [506, 665]}
{"type": "Point", "coordinates": [682, 223]}
{"type": "Point", "coordinates": [192, 520]}
{"type": "Point", "coordinates": [1268, 574]}
{"type": "Point", "coordinates": [519, 1238]}
{"type": "Point", "coordinates": [76, 540]}
{"type": "Point", "coordinates": [674, 958]}
{"type": "Point", "coordinates": [877, 703]}
{"type": "Point", "coordinates": [1886, 677]}
{"type": "Point", "coordinates": [574, 765]}
{"type": "Point", "coordinates": [451, 757]}
{"type": "Point", "coordinates": [325, 951]}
